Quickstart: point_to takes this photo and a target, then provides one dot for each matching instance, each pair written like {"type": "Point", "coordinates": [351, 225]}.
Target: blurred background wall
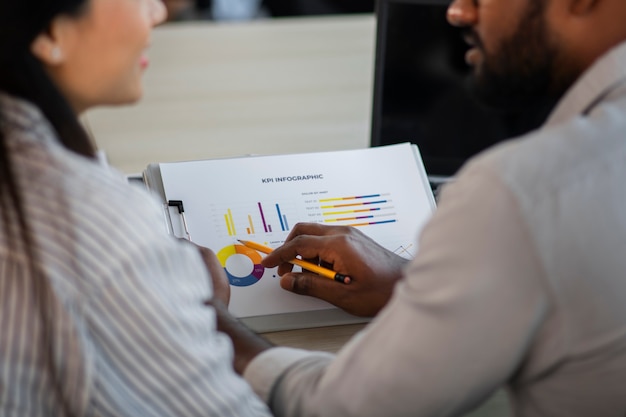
{"type": "Point", "coordinates": [254, 9]}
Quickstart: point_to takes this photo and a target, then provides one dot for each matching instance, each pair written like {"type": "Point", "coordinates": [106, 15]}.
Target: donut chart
{"type": "Point", "coordinates": [235, 259]}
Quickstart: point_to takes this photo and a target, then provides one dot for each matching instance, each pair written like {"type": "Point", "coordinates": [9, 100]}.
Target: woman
{"type": "Point", "coordinates": [101, 313]}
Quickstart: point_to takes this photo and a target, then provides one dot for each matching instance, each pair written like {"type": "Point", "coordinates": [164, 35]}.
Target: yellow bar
{"type": "Point", "coordinates": [230, 232]}
{"type": "Point", "coordinates": [251, 225]}
{"type": "Point", "coordinates": [232, 223]}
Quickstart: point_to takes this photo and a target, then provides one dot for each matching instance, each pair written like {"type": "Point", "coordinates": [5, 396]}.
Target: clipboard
{"type": "Point", "coordinates": [384, 191]}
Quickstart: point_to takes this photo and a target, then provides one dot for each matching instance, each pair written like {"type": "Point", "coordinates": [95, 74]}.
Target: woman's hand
{"type": "Point", "coordinates": [221, 286]}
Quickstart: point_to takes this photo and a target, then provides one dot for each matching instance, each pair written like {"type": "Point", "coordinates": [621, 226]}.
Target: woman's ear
{"type": "Point", "coordinates": [53, 45]}
{"type": "Point", "coordinates": [47, 50]}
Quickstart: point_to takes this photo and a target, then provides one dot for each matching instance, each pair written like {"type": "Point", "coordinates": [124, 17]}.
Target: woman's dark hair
{"type": "Point", "coordinates": [23, 75]}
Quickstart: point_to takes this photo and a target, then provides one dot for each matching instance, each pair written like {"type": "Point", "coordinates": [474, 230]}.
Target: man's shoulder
{"type": "Point", "coordinates": [558, 156]}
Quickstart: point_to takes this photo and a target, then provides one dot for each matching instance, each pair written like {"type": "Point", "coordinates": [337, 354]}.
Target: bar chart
{"type": "Point", "coordinates": [254, 218]}
{"type": "Point", "coordinates": [358, 211]}
{"type": "Point", "coordinates": [259, 218]}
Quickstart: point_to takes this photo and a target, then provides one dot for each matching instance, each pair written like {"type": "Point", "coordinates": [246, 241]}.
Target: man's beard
{"type": "Point", "coordinates": [525, 70]}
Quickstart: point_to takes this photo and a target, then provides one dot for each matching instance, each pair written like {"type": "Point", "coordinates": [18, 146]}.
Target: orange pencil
{"type": "Point", "coordinates": [325, 272]}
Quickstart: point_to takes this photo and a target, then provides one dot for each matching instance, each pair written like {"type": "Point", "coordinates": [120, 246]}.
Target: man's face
{"type": "Point", "coordinates": [516, 58]}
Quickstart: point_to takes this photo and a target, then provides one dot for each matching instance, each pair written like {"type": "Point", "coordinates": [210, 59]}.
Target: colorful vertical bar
{"type": "Point", "coordinates": [280, 218]}
{"type": "Point", "coordinates": [262, 217]}
{"type": "Point", "coordinates": [251, 229]}
{"type": "Point", "coordinates": [230, 224]}
{"type": "Point", "coordinates": [230, 231]}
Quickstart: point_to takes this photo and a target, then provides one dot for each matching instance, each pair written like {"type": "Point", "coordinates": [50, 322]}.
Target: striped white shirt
{"type": "Point", "coordinates": [130, 331]}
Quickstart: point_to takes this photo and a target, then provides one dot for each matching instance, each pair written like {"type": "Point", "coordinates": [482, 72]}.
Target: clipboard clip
{"type": "Point", "coordinates": [181, 210]}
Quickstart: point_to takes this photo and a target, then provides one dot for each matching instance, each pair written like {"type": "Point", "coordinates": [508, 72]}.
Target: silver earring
{"type": "Point", "coordinates": [55, 54]}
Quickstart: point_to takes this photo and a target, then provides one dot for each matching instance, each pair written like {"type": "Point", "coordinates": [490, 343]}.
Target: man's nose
{"type": "Point", "coordinates": [462, 13]}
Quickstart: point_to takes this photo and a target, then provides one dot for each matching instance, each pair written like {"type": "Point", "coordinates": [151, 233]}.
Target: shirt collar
{"type": "Point", "coordinates": [605, 76]}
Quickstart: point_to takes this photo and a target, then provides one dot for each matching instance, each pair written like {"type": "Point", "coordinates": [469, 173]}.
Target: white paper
{"type": "Point", "coordinates": [383, 191]}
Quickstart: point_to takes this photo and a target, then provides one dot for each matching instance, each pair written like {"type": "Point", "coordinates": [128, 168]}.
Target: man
{"type": "Point", "coordinates": [520, 281]}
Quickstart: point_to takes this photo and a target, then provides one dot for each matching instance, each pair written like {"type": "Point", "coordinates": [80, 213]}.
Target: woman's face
{"type": "Point", "coordinates": [98, 57]}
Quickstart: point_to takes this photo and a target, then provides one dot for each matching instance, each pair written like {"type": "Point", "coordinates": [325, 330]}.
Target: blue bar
{"type": "Point", "coordinates": [280, 217]}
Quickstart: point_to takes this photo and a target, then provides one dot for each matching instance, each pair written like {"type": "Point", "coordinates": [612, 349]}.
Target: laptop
{"type": "Point", "coordinates": [420, 90]}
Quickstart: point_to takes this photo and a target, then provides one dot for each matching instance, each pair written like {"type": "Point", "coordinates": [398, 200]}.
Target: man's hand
{"type": "Point", "coordinates": [373, 270]}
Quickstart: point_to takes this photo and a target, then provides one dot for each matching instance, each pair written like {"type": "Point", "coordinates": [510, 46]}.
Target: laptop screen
{"type": "Point", "coordinates": [420, 89]}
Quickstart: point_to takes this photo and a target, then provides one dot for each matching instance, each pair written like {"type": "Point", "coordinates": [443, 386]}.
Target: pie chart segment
{"type": "Point", "coordinates": [242, 265]}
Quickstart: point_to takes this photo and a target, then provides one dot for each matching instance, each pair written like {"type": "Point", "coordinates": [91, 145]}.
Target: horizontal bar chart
{"type": "Point", "coordinates": [358, 211]}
